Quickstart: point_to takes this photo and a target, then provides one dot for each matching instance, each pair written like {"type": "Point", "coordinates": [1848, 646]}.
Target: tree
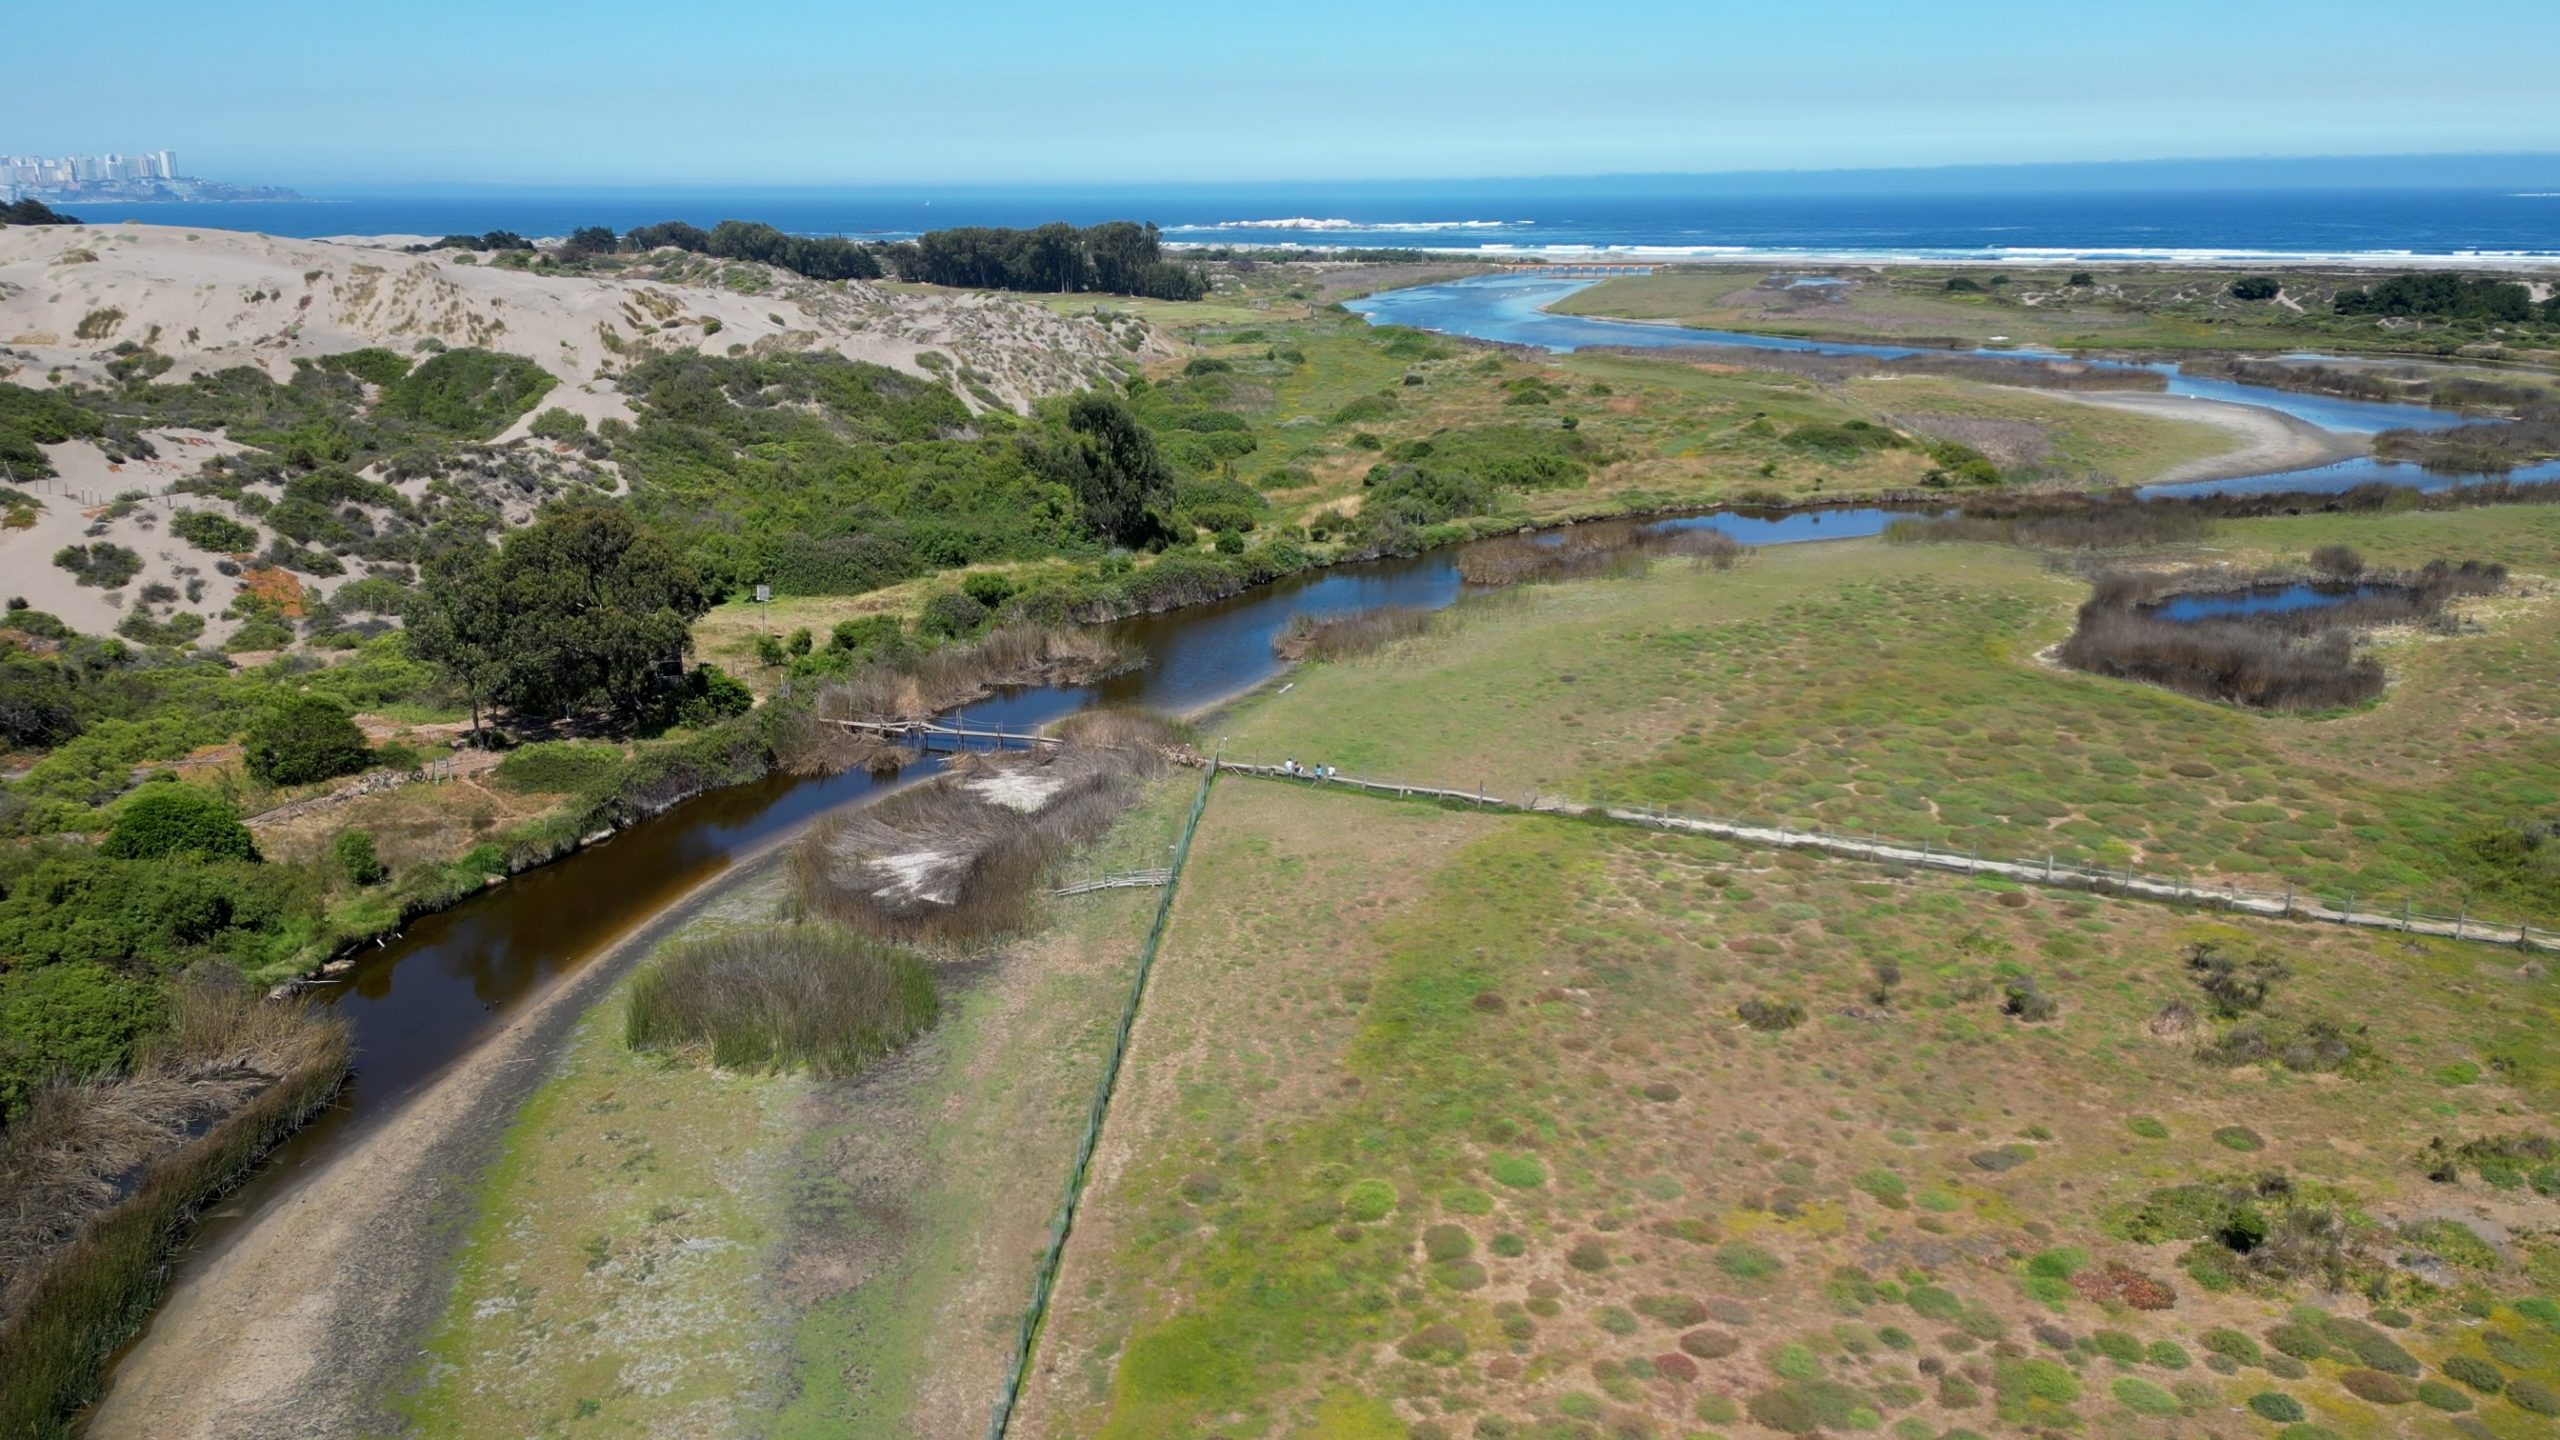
{"type": "Point", "coordinates": [456, 622]}
{"type": "Point", "coordinates": [1108, 459]}
{"type": "Point", "coordinates": [586, 606]}
{"type": "Point", "coordinates": [589, 240]}
{"type": "Point", "coordinates": [176, 819]}
{"type": "Point", "coordinates": [36, 709]}
{"type": "Point", "coordinates": [2256, 287]}
{"type": "Point", "coordinates": [302, 738]}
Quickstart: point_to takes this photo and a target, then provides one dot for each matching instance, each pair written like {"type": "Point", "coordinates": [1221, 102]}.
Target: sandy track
{"type": "Point", "coordinates": [2269, 441]}
{"type": "Point", "coordinates": [305, 1321]}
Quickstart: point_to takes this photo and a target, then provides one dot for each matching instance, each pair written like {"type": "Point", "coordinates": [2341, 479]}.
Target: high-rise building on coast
{"type": "Point", "coordinates": [114, 176]}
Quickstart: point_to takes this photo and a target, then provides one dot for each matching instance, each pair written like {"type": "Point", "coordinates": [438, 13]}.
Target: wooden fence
{"type": "Point", "coordinates": [2292, 902]}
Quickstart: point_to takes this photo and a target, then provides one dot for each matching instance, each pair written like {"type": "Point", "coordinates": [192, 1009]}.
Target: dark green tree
{"type": "Point", "coordinates": [457, 622]}
{"type": "Point", "coordinates": [355, 855]}
{"type": "Point", "coordinates": [302, 738]}
{"type": "Point", "coordinates": [1109, 460]}
{"type": "Point", "coordinates": [585, 607]}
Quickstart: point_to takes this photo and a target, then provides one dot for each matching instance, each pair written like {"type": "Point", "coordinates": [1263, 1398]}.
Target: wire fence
{"type": "Point", "coordinates": [2052, 868]}
{"type": "Point", "coordinates": [1045, 1279]}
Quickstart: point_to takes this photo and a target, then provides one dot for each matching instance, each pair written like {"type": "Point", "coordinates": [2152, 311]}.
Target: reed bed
{"type": "Point", "coordinates": [962, 857]}
{"type": "Point", "coordinates": [102, 1177]}
{"type": "Point", "coordinates": [2294, 660]}
{"type": "Point", "coordinates": [1341, 637]}
{"type": "Point", "coordinates": [781, 997]}
{"type": "Point", "coordinates": [942, 679]}
{"type": "Point", "coordinates": [1597, 551]}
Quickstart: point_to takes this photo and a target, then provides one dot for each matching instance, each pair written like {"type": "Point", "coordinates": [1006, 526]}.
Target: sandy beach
{"type": "Point", "coordinates": [2265, 441]}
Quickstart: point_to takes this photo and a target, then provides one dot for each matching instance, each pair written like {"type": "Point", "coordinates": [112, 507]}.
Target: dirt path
{"type": "Point", "coordinates": [304, 1322]}
{"type": "Point", "coordinates": [2269, 441]}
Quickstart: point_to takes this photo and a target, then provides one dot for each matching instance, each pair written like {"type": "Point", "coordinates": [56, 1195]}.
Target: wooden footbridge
{"type": "Point", "coordinates": [922, 734]}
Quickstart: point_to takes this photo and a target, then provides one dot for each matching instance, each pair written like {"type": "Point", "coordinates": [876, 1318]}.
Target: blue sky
{"type": "Point", "coordinates": [769, 92]}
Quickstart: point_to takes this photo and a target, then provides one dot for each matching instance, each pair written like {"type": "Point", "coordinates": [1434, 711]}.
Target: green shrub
{"type": "Point", "coordinates": [2144, 1398]}
{"type": "Point", "coordinates": [1587, 1254]}
{"type": "Point", "coordinates": [2033, 1390]}
{"type": "Point", "coordinates": [2436, 1395]}
{"type": "Point", "coordinates": [1467, 1200]}
{"type": "Point", "coordinates": [302, 738]}
{"type": "Point", "coordinates": [2167, 1355]}
{"type": "Point", "coordinates": [1934, 1302]}
{"type": "Point", "coordinates": [356, 858]}
{"type": "Point", "coordinates": [1520, 1172]}
{"type": "Point", "coordinates": [99, 563]}
{"type": "Point", "coordinates": [1368, 1200]}
{"type": "Point", "coordinates": [2231, 1343]}
{"type": "Point", "coordinates": [2302, 1342]}
{"type": "Point", "coordinates": [1807, 1407]}
{"type": "Point", "coordinates": [221, 534]}
{"type": "Point", "coordinates": [174, 819]}
{"type": "Point", "coordinates": [560, 767]}
{"type": "Point", "coordinates": [2475, 1372]}
{"type": "Point", "coordinates": [2118, 1346]}
{"type": "Point", "coordinates": [2240, 1138]}
{"type": "Point", "coordinates": [2270, 1405]}
{"type": "Point", "coordinates": [78, 1019]}
{"type": "Point", "coordinates": [2532, 1395]}
{"type": "Point", "coordinates": [1746, 1261]}
{"type": "Point", "coordinates": [1795, 1362]}
{"type": "Point", "coordinates": [2378, 1387]}
{"type": "Point", "coordinates": [1447, 1242]}
{"type": "Point", "coordinates": [2147, 1127]}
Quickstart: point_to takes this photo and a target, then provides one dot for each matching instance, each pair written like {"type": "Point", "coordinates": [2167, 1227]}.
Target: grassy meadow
{"type": "Point", "coordinates": [1443, 1124]}
{"type": "Point", "coordinates": [1898, 690]}
{"type": "Point", "coordinates": [2161, 308]}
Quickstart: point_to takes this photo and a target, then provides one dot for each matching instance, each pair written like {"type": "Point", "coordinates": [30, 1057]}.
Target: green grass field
{"type": "Point", "coordinates": [1896, 690]}
{"type": "Point", "coordinates": [1446, 1124]}
{"type": "Point", "coordinates": [2170, 309]}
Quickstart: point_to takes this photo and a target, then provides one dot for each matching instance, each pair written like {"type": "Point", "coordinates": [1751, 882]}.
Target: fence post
{"type": "Point", "coordinates": [2404, 915]}
{"type": "Point", "coordinates": [2288, 897]}
{"type": "Point", "coordinates": [2459, 917]}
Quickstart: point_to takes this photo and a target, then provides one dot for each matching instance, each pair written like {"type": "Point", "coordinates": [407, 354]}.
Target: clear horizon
{"type": "Point", "coordinates": [785, 93]}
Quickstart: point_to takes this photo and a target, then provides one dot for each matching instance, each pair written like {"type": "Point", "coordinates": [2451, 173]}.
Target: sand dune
{"type": "Point", "coordinates": [212, 299]}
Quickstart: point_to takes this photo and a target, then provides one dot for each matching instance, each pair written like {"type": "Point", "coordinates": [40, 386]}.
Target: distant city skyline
{"type": "Point", "coordinates": [795, 92]}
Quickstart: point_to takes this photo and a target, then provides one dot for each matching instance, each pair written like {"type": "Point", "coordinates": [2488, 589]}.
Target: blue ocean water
{"type": "Point", "coordinates": [1502, 219]}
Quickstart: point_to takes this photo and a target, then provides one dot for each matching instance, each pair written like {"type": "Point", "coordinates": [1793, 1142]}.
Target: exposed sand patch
{"type": "Point", "coordinates": [1024, 790]}
{"type": "Point", "coordinates": [2266, 441]}
{"type": "Point", "coordinates": [916, 875]}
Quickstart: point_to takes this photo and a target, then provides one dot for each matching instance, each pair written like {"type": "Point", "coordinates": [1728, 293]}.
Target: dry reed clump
{"type": "Point", "coordinates": [102, 1178]}
{"type": "Point", "coordinates": [781, 996]}
{"type": "Point", "coordinates": [2289, 660]}
{"type": "Point", "coordinates": [2060, 520]}
{"type": "Point", "coordinates": [83, 1144]}
{"type": "Point", "coordinates": [1593, 551]}
{"type": "Point", "coordinates": [961, 857]}
{"type": "Point", "coordinates": [937, 681]}
{"type": "Point", "coordinates": [1307, 638]}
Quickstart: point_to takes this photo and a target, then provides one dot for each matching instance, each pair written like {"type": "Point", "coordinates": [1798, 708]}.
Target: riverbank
{"type": "Point", "coordinates": [2268, 442]}
{"type": "Point", "coordinates": [303, 1321]}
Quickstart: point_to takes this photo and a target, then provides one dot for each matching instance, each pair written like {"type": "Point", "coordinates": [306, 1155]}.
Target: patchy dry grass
{"type": "Point", "coordinates": [1444, 1125]}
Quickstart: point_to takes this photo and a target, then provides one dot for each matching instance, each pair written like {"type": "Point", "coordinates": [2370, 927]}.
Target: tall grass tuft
{"type": "Point", "coordinates": [782, 997]}
{"type": "Point", "coordinates": [1583, 552]}
{"type": "Point", "coordinates": [103, 1177]}
{"type": "Point", "coordinates": [1306, 637]}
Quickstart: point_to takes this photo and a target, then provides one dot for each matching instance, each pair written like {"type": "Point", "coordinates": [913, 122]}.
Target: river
{"type": "Point", "coordinates": [429, 995]}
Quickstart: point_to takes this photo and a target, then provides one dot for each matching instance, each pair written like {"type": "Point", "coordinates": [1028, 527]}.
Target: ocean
{"type": "Point", "coordinates": [1515, 219]}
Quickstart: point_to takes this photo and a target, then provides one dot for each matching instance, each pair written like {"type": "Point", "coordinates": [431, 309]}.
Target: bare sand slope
{"type": "Point", "coordinates": [211, 299]}
{"type": "Point", "coordinates": [2265, 441]}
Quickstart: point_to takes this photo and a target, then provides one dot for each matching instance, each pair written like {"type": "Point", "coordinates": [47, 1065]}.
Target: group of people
{"type": "Point", "coordinates": [1306, 772]}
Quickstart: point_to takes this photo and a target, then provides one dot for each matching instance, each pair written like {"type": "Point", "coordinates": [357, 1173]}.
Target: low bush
{"type": "Point", "coordinates": [2271, 1405]}
{"type": "Point", "coordinates": [1765, 1014]}
{"type": "Point", "coordinates": [781, 997]}
{"type": "Point", "coordinates": [169, 819]}
{"type": "Point", "coordinates": [2475, 1372]}
{"type": "Point", "coordinates": [1306, 637]}
{"type": "Point", "coordinates": [303, 738]}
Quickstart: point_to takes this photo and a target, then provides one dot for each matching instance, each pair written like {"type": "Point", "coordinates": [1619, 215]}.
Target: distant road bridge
{"type": "Point", "coordinates": [1579, 272]}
